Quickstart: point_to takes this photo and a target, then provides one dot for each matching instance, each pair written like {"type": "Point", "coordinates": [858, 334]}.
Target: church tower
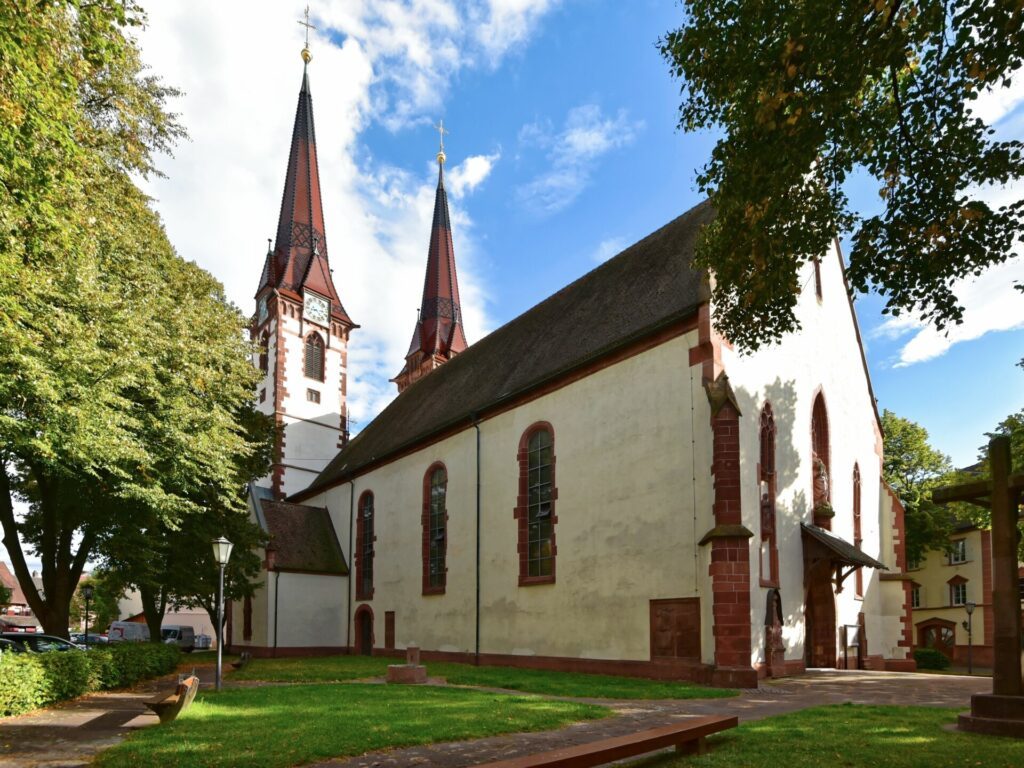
{"type": "Point", "coordinates": [438, 335]}
{"type": "Point", "coordinates": [301, 327]}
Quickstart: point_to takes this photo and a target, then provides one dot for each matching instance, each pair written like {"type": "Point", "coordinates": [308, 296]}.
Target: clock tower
{"type": "Point", "coordinates": [301, 327]}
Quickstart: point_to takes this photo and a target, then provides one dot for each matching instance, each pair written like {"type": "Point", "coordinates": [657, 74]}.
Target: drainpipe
{"type": "Point", "coordinates": [351, 565]}
{"type": "Point", "coordinates": [277, 594]}
{"type": "Point", "coordinates": [476, 426]}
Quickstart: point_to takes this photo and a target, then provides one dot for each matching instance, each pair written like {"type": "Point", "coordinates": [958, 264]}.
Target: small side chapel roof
{"type": "Point", "coordinates": [645, 288]}
{"type": "Point", "coordinates": [303, 538]}
{"type": "Point", "coordinates": [842, 551]}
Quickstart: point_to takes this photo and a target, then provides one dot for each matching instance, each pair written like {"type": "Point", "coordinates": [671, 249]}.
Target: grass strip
{"type": "Point", "coordinates": [549, 683]}
{"type": "Point", "coordinates": [853, 736]}
{"type": "Point", "coordinates": [280, 726]}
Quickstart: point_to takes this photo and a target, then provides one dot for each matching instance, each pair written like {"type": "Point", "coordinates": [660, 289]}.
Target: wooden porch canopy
{"type": "Point", "coordinates": [842, 554]}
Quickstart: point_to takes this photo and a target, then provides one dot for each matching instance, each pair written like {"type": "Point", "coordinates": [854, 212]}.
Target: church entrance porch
{"type": "Point", "coordinates": [364, 630]}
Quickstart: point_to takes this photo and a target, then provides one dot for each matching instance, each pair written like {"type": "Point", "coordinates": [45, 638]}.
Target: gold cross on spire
{"type": "Point", "coordinates": [441, 157]}
{"type": "Point", "coordinates": [306, 55]}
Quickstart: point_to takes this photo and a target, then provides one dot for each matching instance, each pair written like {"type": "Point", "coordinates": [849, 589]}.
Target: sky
{"type": "Point", "coordinates": [563, 150]}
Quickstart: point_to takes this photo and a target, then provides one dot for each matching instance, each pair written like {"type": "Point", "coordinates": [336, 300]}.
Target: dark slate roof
{"type": "Point", "coordinates": [303, 538]}
{"type": "Point", "coordinates": [843, 551]}
{"type": "Point", "coordinates": [645, 288]}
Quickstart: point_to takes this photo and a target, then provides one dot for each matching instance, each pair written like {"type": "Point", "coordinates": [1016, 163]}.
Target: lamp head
{"type": "Point", "coordinates": [221, 551]}
{"type": "Point", "coordinates": [87, 591]}
{"type": "Point", "coordinates": [969, 607]}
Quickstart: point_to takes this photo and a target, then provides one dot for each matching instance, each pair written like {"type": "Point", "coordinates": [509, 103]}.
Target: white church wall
{"type": "Point", "coordinates": [823, 356]}
{"type": "Point", "coordinates": [311, 610]}
{"type": "Point", "coordinates": [625, 531]}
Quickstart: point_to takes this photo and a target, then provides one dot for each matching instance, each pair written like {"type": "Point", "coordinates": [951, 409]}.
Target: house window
{"type": "Point", "coordinates": [312, 396]}
{"type": "Point", "coordinates": [263, 395]}
{"type": "Point", "coordinates": [958, 554]}
{"type": "Point", "coordinates": [915, 597]}
{"type": "Point", "coordinates": [958, 592]}
{"type": "Point", "coordinates": [314, 357]}
{"type": "Point", "coordinates": [858, 539]}
{"type": "Point", "coordinates": [435, 529]}
{"type": "Point", "coordinates": [536, 510]}
{"type": "Point", "coordinates": [364, 547]}
{"type": "Point", "coordinates": [767, 488]}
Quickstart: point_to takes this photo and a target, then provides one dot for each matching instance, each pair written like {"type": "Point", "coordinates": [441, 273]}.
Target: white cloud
{"type": "Point", "coordinates": [387, 61]}
{"type": "Point", "coordinates": [608, 248]}
{"type": "Point", "coordinates": [993, 104]}
{"type": "Point", "coordinates": [508, 23]}
{"type": "Point", "coordinates": [573, 153]}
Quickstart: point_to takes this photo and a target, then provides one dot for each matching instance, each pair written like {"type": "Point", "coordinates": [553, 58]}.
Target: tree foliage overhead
{"type": "Point", "coordinates": [808, 92]}
{"type": "Point", "coordinates": [914, 469]}
{"type": "Point", "coordinates": [124, 374]}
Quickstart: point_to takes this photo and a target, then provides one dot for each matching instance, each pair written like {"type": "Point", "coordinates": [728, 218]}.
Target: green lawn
{"type": "Point", "coordinates": [280, 726]}
{"type": "Point", "coordinates": [853, 736]}
{"type": "Point", "coordinates": [338, 668]}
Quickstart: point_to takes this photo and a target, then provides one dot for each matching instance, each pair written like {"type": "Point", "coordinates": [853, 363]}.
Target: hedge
{"type": "Point", "coordinates": [32, 680]}
{"type": "Point", "coordinates": [929, 658]}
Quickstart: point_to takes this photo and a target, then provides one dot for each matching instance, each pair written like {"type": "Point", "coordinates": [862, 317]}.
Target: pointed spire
{"type": "Point", "coordinates": [439, 334]}
{"type": "Point", "coordinates": [299, 257]}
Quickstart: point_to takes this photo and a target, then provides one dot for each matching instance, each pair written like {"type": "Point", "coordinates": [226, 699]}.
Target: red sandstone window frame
{"type": "Point", "coordinates": [767, 493]}
{"type": "Point", "coordinates": [858, 538]}
{"type": "Point", "coordinates": [435, 581]}
{"type": "Point", "coordinates": [310, 367]}
{"type": "Point", "coordinates": [365, 537]}
{"type": "Point", "coordinates": [523, 509]}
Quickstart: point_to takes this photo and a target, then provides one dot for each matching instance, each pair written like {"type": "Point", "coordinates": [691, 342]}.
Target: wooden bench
{"type": "Point", "coordinates": [242, 661]}
{"type": "Point", "coordinates": [687, 736]}
{"type": "Point", "coordinates": [174, 704]}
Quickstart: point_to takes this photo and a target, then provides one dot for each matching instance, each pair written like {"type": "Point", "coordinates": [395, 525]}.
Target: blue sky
{"type": "Point", "coordinates": [562, 151]}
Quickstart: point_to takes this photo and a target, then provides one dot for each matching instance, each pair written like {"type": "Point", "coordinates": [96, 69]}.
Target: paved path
{"type": "Point", "coordinates": [773, 698]}
{"type": "Point", "coordinates": [69, 734]}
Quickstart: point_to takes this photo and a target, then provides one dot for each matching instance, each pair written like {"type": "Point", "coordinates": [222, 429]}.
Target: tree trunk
{"type": "Point", "coordinates": [153, 610]}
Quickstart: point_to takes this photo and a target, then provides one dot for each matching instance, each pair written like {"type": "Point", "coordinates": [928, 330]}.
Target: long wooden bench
{"type": "Point", "coordinates": [687, 736]}
{"type": "Point", "coordinates": [174, 704]}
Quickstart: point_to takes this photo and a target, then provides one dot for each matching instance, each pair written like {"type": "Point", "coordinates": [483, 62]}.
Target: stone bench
{"type": "Point", "coordinates": [687, 737]}
{"type": "Point", "coordinates": [174, 704]}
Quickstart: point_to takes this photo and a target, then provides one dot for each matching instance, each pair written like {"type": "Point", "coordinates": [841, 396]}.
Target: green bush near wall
{"type": "Point", "coordinates": [32, 680]}
{"type": "Point", "coordinates": [929, 658]}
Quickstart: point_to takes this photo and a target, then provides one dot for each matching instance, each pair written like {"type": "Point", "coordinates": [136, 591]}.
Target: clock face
{"type": "Point", "coordinates": [317, 309]}
{"type": "Point", "coordinates": [262, 310]}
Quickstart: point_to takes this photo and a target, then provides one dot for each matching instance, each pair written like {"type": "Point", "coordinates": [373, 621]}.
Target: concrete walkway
{"type": "Point", "coordinates": [775, 697]}
{"type": "Point", "coordinates": [69, 734]}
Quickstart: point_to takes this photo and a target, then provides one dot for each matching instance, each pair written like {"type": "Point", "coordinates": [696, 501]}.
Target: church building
{"type": "Point", "coordinates": [603, 484]}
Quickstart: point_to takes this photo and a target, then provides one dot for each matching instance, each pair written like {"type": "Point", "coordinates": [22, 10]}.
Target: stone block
{"type": "Point", "coordinates": [407, 674]}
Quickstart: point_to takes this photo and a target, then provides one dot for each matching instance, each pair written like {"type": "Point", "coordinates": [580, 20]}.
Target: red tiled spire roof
{"type": "Point", "coordinates": [299, 257]}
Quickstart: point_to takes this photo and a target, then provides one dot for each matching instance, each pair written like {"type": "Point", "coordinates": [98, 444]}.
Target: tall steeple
{"type": "Point", "coordinates": [438, 335]}
{"type": "Point", "coordinates": [301, 327]}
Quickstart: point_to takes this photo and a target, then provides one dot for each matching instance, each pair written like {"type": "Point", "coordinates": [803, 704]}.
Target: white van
{"type": "Point", "coordinates": [179, 635]}
{"type": "Point", "coordinates": [127, 631]}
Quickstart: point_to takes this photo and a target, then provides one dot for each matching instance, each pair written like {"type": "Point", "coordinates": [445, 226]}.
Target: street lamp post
{"type": "Point", "coordinates": [221, 553]}
{"type": "Point", "coordinates": [969, 607]}
{"type": "Point", "coordinates": [87, 594]}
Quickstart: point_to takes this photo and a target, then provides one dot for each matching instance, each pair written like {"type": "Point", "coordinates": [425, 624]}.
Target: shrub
{"type": "Point", "coordinates": [29, 680]}
{"type": "Point", "coordinates": [929, 658]}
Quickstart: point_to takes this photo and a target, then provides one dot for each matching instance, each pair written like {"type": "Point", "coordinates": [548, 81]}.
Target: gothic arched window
{"type": "Point", "coordinates": [537, 516]}
{"type": "Point", "coordinates": [820, 467]}
{"type": "Point", "coordinates": [265, 353]}
{"type": "Point", "coordinates": [435, 529]}
{"type": "Point", "coordinates": [767, 490]}
{"type": "Point", "coordinates": [858, 538]}
{"type": "Point", "coordinates": [314, 357]}
{"type": "Point", "coordinates": [364, 547]}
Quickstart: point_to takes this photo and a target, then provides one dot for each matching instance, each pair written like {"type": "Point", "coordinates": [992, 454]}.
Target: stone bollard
{"type": "Point", "coordinates": [412, 654]}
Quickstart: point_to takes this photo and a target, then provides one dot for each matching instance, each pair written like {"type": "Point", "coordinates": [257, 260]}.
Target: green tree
{"type": "Point", "coordinates": [807, 93]}
{"type": "Point", "coordinates": [103, 605]}
{"type": "Point", "coordinates": [914, 469]}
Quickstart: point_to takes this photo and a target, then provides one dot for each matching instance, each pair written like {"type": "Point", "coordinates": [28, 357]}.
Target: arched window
{"type": "Point", "coordinates": [536, 509]}
{"type": "Point", "coordinates": [364, 547]}
{"type": "Point", "coordinates": [858, 538]}
{"type": "Point", "coordinates": [314, 357]}
{"type": "Point", "coordinates": [767, 490]}
{"type": "Point", "coordinates": [265, 353]}
{"type": "Point", "coordinates": [822, 476]}
{"type": "Point", "coordinates": [435, 529]}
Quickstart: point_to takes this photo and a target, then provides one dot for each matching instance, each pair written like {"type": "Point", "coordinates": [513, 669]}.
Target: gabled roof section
{"type": "Point", "coordinates": [303, 538]}
{"type": "Point", "coordinates": [299, 259]}
{"type": "Point", "coordinates": [644, 289]}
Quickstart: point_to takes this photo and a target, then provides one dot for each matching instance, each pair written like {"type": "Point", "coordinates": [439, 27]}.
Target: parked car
{"type": "Point", "coordinates": [37, 643]}
{"type": "Point", "coordinates": [180, 635]}
{"type": "Point", "coordinates": [79, 639]}
{"type": "Point", "coordinates": [127, 631]}
{"type": "Point", "coordinates": [9, 646]}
